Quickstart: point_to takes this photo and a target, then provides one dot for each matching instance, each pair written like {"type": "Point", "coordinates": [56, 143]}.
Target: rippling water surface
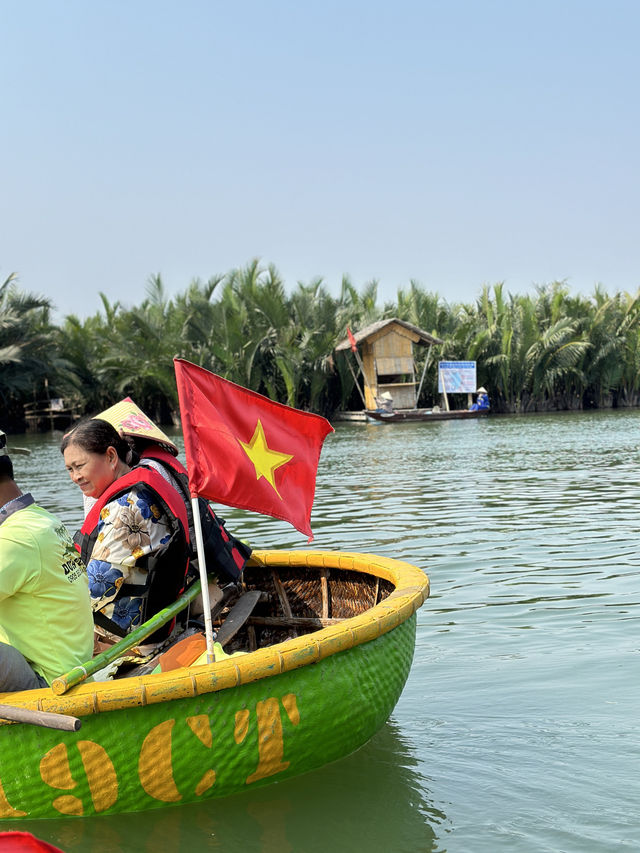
{"type": "Point", "coordinates": [517, 729]}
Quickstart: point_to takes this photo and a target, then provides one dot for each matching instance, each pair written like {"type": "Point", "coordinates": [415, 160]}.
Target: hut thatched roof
{"type": "Point", "coordinates": [425, 339]}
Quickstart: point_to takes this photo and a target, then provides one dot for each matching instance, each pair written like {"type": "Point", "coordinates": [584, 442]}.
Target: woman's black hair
{"type": "Point", "coordinates": [97, 436]}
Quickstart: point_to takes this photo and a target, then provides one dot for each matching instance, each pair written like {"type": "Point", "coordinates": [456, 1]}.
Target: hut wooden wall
{"type": "Point", "coordinates": [387, 353]}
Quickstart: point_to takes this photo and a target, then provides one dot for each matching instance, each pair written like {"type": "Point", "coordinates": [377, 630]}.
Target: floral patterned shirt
{"type": "Point", "coordinates": [130, 527]}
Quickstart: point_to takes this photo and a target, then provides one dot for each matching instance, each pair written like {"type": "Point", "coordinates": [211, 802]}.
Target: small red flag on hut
{"type": "Point", "coordinates": [352, 340]}
{"type": "Point", "coordinates": [246, 451]}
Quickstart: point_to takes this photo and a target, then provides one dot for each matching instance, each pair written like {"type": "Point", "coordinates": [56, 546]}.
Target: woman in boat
{"type": "Point", "coordinates": [135, 537]}
{"type": "Point", "coordinates": [225, 555]}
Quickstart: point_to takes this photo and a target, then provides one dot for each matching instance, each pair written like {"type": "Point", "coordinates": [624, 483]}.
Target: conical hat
{"type": "Point", "coordinates": [129, 419]}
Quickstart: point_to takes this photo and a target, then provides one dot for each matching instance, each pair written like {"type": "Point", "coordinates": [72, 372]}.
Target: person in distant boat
{"type": "Point", "coordinates": [46, 625]}
{"type": "Point", "coordinates": [135, 536]}
{"type": "Point", "coordinates": [385, 402]}
{"type": "Point", "coordinates": [482, 401]}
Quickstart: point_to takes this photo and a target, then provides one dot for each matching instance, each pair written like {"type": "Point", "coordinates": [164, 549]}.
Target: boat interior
{"type": "Point", "coordinates": [271, 604]}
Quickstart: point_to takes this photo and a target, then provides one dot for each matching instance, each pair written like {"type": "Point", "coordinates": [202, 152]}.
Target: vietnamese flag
{"type": "Point", "coordinates": [246, 451]}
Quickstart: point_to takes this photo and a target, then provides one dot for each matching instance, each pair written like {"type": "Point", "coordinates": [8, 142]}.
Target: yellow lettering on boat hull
{"type": "Point", "coordinates": [155, 767]}
{"type": "Point", "coordinates": [270, 737]}
{"type": "Point", "coordinates": [156, 762]}
{"type": "Point", "coordinates": [55, 771]}
{"type": "Point", "coordinates": [6, 809]}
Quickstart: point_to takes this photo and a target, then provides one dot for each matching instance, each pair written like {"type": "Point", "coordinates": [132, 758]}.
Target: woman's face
{"type": "Point", "coordinates": [92, 472]}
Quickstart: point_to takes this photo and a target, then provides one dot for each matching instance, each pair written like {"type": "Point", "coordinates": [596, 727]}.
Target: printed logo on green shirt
{"type": "Point", "coordinates": [73, 566]}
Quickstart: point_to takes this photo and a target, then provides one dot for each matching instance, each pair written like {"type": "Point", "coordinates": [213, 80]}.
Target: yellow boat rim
{"type": "Point", "coordinates": [411, 590]}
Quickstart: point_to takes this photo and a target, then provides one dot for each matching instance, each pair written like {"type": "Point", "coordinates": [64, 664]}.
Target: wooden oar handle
{"type": "Point", "coordinates": [40, 718]}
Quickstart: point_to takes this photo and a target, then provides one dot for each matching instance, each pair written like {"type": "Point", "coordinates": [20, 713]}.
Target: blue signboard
{"type": "Point", "coordinates": [457, 377]}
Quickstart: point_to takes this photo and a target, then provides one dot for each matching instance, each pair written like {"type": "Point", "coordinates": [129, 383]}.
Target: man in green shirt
{"type": "Point", "coordinates": [46, 622]}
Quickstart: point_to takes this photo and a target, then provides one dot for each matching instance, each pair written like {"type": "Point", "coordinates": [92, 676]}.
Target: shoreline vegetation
{"type": "Point", "coordinates": [549, 351]}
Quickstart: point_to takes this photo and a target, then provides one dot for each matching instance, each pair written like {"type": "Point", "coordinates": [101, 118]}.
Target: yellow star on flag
{"type": "Point", "coordinates": [264, 460]}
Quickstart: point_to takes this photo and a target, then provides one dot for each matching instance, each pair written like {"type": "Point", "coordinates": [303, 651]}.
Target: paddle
{"type": "Point", "coordinates": [237, 616]}
{"type": "Point", "coordinates": [40, 718]}
{"type": "Point", "coordinates": [78, 674]}
{"type": "Point", "coordinates": [179, 651]}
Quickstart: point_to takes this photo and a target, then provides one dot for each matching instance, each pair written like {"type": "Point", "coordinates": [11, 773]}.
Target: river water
{"type": "Point", "coordinates": [518, 727]}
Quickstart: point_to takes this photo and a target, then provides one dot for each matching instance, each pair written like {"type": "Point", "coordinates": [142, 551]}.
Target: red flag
{"type": "Point", "coordinates": [352, 340]}
{"type": "Point", "coordinates": [244, 450]}
{"type": "Point", "coordinates": [24, 842]}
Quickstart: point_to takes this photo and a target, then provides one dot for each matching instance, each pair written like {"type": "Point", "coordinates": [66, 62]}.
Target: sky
{"type": "Point", "coordinates": [453, 143]}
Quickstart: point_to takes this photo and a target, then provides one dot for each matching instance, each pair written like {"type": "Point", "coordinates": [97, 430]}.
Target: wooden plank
{"type": "Point", "coordinates": [324, 583]}
{"type": "Point", "coordinates": [253, 642]}
{"type": "Point", "coordinates": [314, 622]}
{"type": "Point", "coordinates": [387, 365]}
{"type": "Point", "coordinates": [282, 594]}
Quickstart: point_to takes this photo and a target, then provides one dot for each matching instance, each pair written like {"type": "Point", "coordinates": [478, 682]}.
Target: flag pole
{"type": "Point", "coordinates": [204, 581]}
{"type": "Point", "coordinates": [424, 370]}
{"type": "Point", "coordinates": [354, 350]}
{"type": "Point", "coordinates": [355, 379]}
{"type": "Point", "coordinates": [444, 388]}
{"type": "Point", "coordinates": [364, 375]}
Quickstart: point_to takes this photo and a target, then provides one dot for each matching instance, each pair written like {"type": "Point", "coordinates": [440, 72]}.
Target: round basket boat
{"type": "Point", "coordinates": [327, 653]}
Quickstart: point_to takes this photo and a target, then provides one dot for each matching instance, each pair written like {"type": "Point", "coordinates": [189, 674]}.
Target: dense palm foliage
{"type": "Point", "coordinates": [28, 351]}
{"type": "Point", "coordinates": [549, 350]}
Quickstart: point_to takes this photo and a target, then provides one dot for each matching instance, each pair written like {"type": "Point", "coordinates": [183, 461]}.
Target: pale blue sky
{"type": "Point", "coordinates": [456, 143]}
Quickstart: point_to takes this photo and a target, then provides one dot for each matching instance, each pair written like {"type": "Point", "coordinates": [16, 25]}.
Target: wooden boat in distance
{"type": "Point", "coordinates": [404, 415]}
{"type": "Point", "coordinates": [326, 654]}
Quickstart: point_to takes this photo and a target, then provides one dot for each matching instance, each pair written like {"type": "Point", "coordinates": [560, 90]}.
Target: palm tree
{"type": "Point", "coordinates": [139, 356]}
{"type": "Point", "coordinates": [314, 314]}
{"type": "Point", "coordinates": [612, 326]}
{"type": "Point", "coordinates": [29, 359]}
{"type": "Point", "coordinates": [553, 363]}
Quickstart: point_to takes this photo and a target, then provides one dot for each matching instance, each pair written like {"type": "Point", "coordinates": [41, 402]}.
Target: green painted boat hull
{"type": "Point", "coordinates": [186, 749]}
